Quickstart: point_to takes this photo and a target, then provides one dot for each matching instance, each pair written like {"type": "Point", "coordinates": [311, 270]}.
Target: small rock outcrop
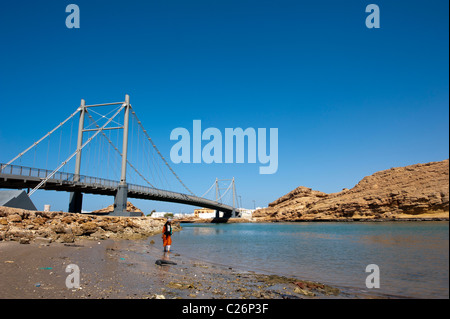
{"type": "Point", "coordinates": [110, 209]}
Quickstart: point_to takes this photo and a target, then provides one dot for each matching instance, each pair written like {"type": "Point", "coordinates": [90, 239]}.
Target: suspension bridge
{"type": "Point", "coordinates": [147, 164]}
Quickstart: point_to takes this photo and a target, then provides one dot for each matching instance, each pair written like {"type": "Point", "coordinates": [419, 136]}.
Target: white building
{"type": "Point", "coordinates": [159, 214]}
{"type": "Point", "coordinates": [206, 213]}
{"type": "Point", "coordinates": [181, 215]}
{"type": "Point", "coordinates": [247, 213]}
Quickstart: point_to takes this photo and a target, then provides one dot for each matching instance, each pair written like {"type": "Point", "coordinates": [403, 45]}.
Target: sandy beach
{"type": "Point", "coordinates": [126, 269]}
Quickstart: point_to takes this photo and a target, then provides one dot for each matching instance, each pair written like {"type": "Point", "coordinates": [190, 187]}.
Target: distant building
{"type": "Point", "coordinates": [159, 214]}
{"type": "Point", "coordinates": [245, 213]}
{"type": "Point", "coordinates": [206, 213]}
{"type": "Point", "coordinates": [211, 213]}
{"type": "Point", "coordinates": [181, 215]}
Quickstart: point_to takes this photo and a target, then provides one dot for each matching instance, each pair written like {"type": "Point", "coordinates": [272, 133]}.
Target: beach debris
{"type": "Point", "coordinates": [24, 240]}
{"type": "Point", "coordinates": [46, 268]}
{"type": "Point", "coordinates": [161, 262]}
{"type": "Point", "coordinates": [121, 258]}
{"type": "Point", "coordinates": [66, 238]}
{"type": "Point", "coordinates": [73, 245]}
{"type": "Point", "coordinates": [177, 285]}
{"type": "Point", "coordinates": [37, 285]}
{"type": "Point", "coordinates": [43, 240]}
{"type": "Point", "coordinates": [304, 292]}
{"type": "Point", "coordinates": [307, 287]}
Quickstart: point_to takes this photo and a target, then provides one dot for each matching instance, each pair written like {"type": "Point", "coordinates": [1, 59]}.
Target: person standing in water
{"type": "Point", "coordinates": [167, 235]}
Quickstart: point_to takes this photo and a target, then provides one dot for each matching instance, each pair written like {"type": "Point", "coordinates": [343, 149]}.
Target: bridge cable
{"type": "Point", "coordinates": [225, 192]}
{"type": "Point", "coordinates": [203, 196]}
{"type": "Point", "coordinates": [117, 150]}
{"type": "Point", "coordinates": [70, 141]}
{"type": "Point", "coordinates": [41, 139]}
{"type": "Point", "coordinates": [73, 154]}
{"type": "Point", "coordinates": [159, 153]}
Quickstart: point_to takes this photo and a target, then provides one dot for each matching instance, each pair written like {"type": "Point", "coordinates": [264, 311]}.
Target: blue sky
{"type": "Point", "coordinates": [347, 100]}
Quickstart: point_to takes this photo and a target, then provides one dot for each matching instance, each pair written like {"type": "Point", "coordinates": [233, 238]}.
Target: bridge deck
{"type": "Point", "coordinates": [19, 177]}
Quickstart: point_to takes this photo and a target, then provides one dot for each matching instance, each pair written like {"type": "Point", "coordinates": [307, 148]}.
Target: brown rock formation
{"type": "Point", "coordinates": [415, 191]}
{"type": "Point", "coordinates": [291, 205]}
{"type": "Point", "coordinates": [110, 209]}
{"type": "Point", "coordinates": [24, 225]}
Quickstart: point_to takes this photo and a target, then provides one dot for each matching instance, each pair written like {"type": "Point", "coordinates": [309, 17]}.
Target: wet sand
{"type": "Point", "coordinates": [126, 269]}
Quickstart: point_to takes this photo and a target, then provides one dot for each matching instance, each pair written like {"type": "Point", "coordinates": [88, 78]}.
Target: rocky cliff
{"type": "Point", "coordinates": [418, 191]}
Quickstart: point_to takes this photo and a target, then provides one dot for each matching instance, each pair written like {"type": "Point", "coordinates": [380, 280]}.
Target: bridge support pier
{"type": "Point", "coordinates": [120, 201]}
{"type": "Point", "coordinates": [75, 202]}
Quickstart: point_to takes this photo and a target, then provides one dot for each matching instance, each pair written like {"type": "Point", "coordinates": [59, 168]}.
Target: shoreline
{"type": "Point", "coordinates": [126, 269]}
{"type": "Point", "coordinates": [308, 220]}
{"type": "Point", "coordinates": [117, 258]}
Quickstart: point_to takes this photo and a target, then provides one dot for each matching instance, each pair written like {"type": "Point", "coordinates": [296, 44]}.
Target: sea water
{"type": "Point", "coordinates": [412, 257]}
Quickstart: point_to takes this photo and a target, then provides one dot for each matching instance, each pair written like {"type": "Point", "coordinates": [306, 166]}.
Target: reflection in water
{"type": "Point", "coordinates": [166, 255]}
{"type": "Point", "coordinates": [412, 256]}
{"type": "Point", "coordinates": [208, 231]}
{"type": "Point", "coordinates": [404, 240]}
{"type": "Point", "coordinates": [164, 268]}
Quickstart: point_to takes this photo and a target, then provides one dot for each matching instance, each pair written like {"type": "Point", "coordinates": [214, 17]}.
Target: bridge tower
{"type": "Point", "coordinates": [76, 198]}
{"type": "Point", "coordinates": [120, 200]}
{"type": "Point", "coordinates": [235, 212]}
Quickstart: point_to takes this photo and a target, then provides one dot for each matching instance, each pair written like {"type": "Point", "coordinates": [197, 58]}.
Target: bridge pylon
{"type": "Point", "coordinates": [76, 197]}
{"type": "Point", "coordinates": [121, 196]}
{"type": "Point", "coordinates": [235, 212]}
{"type": "Point", "coordinates": [120, 200]}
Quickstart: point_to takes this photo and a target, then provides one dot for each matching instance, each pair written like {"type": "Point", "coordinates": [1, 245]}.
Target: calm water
{"type": "Point", "coordinates": [412, 256]}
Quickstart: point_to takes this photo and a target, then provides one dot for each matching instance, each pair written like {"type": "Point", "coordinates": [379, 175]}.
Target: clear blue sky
{"type": "Point", "coordinates": [347, 100]}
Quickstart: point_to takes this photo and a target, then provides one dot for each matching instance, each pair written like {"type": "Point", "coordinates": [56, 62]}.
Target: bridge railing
{"type": "Point", "coordinates": [165, 193]}
{"type": "Point", "coordinates": [98, 181]}
{"type": "Point", "coordinates": [155, 191]}
{"type": "Point", "coordinates": [95, 181]}
{"type": "Point", "coordinates": [60, 176]}
{"type": "Point", "coordinates": [33, 172]}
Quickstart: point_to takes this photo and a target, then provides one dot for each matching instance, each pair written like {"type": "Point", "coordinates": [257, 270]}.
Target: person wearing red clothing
{"type": "Point", "coordinates": [167, 235]}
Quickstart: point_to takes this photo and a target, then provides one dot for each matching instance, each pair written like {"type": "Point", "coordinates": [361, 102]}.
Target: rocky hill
{"type": "Point", "coordinates": [418, 191]}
